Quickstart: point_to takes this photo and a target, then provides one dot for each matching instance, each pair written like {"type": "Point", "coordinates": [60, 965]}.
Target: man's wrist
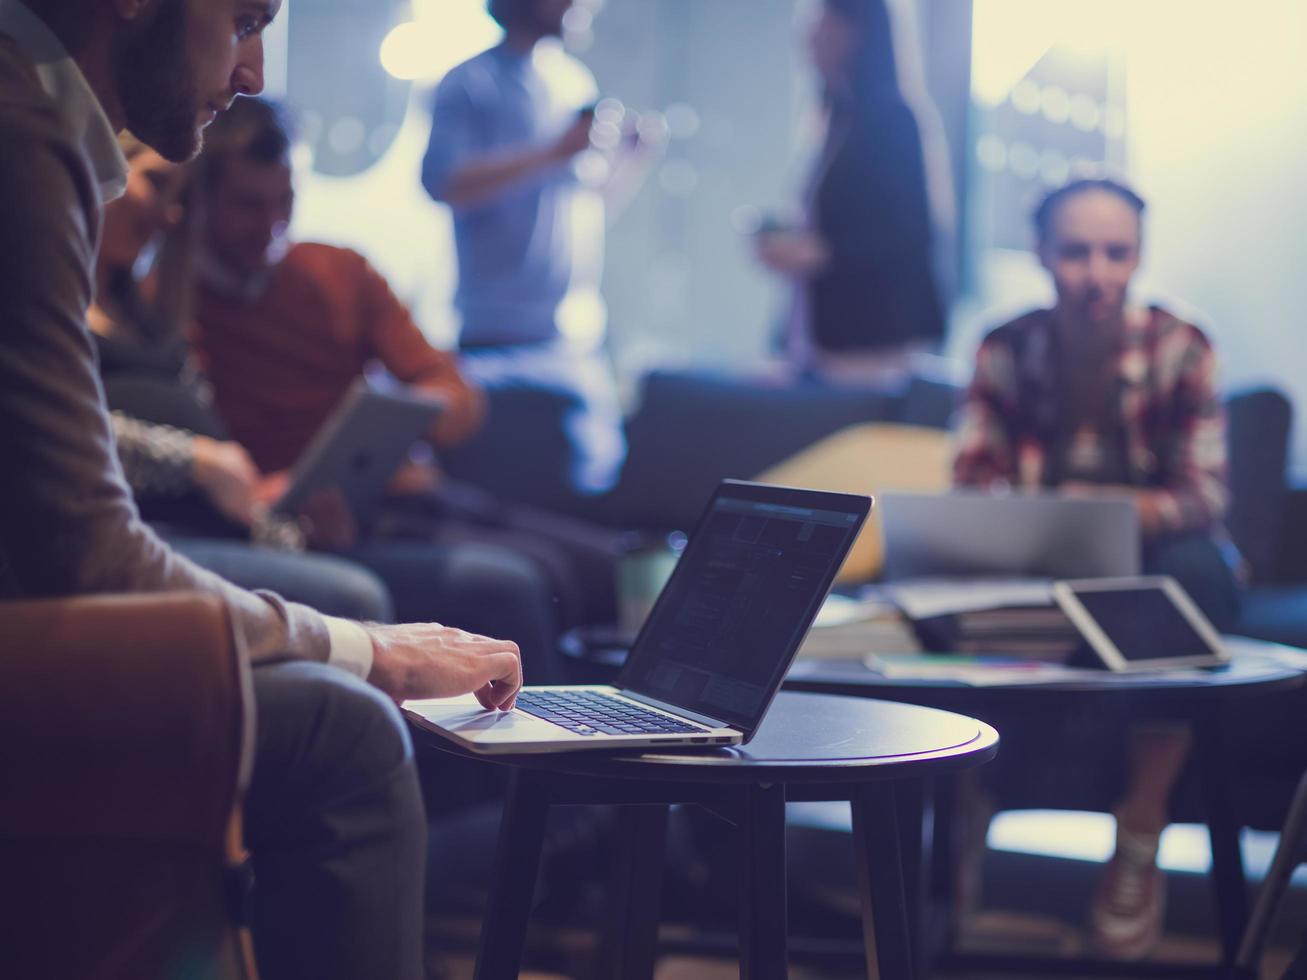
{"type": "Point", "coordinates": [351, 646]}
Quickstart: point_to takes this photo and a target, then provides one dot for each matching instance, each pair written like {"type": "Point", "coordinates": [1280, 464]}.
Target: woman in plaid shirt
{"type": "Point", "coordinates": [1096, 397]}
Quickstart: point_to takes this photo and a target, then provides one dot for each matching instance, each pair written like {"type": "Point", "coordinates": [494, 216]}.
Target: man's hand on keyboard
{"type": "Point", "coordinates": [427, 660]}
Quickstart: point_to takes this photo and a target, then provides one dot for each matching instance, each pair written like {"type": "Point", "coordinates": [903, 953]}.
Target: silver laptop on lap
{"type": "Point", "coordinates": [715, 648]}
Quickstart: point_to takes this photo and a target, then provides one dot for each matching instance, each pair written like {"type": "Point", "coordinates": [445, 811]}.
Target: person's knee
{"type": "Point", "coordinates": [1198, 564]}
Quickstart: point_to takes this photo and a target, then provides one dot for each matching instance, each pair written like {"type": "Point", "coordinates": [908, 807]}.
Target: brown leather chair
{"type": "Point", "coordinates": [126, 738]}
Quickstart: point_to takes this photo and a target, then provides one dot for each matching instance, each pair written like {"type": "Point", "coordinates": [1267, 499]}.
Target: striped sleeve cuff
{"type": "Point", "coordinates": [351, 647]}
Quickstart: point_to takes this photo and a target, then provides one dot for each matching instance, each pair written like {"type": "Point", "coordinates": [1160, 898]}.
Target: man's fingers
{"type": "Point", "coordinates": [427, 660]}
{"type": "Point", "coordinates": [485, 694]}
{"type": "Point", "coordinates": [507, 694]}
{"type": "Point", "coordinates": [497, 696]}
{"type": "Point", "coordinates": [505, 670]}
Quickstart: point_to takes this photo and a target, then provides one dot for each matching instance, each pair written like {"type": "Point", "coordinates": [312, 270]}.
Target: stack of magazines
{"type": "Point", "coordinates": [851, 628]}
{"type": "Point", "coordinates": [1011, 617]}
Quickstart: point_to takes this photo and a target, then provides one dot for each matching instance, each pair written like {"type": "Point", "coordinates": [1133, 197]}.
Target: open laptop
{"type": "Point", "coordinates": [709, 659]}
{"type": "Point", "coordinates": [1029, 535]}
{"type": "Point", "coordinates": [360, 445]}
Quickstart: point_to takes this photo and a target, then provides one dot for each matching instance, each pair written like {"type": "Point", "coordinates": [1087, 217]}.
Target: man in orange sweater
{"type": "Point", "coordinates": [283, 329]}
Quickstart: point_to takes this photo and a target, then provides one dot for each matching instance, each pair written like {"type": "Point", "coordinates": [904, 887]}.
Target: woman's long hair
{"type": "Point", "coordinates": [873, 72]}
{"type": "Point", "coordinates": [884, 77]}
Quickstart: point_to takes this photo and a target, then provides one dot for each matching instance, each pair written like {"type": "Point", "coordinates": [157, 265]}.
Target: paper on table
{"type": "Point", "coordinates": [842, 610]}
{"type": "Point", "coordinates": [982, 671]}
{"type": "Point", "coordinates": [927, 597]}
{"type": "Point", "coordinates": [972, 671]}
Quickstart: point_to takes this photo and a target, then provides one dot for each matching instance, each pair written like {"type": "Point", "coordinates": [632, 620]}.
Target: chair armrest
{"type": "Point", "coordinates": [126, 741]}
{"type": "Point", "coordinates": [123, 717]}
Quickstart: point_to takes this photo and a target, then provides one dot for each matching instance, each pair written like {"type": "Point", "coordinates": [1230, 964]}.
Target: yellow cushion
{"type": "Point", "coordinates": [870, 458]}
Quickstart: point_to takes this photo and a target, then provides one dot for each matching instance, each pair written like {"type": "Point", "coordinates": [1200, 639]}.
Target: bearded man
{"type": "Point", "coordinates": [334, 818]}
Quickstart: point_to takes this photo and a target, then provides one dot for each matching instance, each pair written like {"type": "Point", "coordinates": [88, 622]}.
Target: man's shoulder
{"type": "Point", "coordinates": [471, 75]}
{"type": "Point", "coordinates": [332, 265]}
{"type": "Point", "coordinates": [27, 114]}
{"type": "Point", "coordinates": [17, 73]}
{"type": "Point", "coordinates": [43, 169]}
{"type": "Point", "coordinates": [323, 255]}
{"type": "Point", "coordinates": [475, 63]}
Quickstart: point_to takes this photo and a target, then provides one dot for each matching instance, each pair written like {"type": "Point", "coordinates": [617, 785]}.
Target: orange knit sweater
{"type": "Point", "coordinates": [280, 363]}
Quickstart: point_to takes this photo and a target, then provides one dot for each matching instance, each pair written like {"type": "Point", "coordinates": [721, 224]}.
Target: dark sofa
{"type": "Point", "coordinates": [692, 429]}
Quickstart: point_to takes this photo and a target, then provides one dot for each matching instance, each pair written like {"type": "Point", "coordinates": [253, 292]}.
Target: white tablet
{"type": "Point", "coordinates": [361, 445]}
{"type": "Point", "coordinates": [1144, 623]}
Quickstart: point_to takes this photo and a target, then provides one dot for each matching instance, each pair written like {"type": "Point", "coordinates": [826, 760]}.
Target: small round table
{"type": "Point", "coordinates": [1200, 698]}
{"type": "Point", "coordinates": [810, 747]}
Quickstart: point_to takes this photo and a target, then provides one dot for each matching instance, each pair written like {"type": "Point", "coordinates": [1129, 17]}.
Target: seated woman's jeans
{"type": "Point", "coordinates": [1197, 561]}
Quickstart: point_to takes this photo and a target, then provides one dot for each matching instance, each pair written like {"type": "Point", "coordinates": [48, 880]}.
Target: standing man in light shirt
{"type": "Point", "coordinates": [509, 129]}
{"type": "Point", "coordinates": [334, 818]}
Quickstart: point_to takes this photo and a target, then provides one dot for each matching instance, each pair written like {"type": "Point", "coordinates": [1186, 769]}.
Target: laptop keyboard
{"type": "Point", "coordinates": [594, 713]}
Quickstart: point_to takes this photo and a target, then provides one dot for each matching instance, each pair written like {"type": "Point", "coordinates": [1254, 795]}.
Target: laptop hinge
{"type": "Point", "coordinates": [676, 709]}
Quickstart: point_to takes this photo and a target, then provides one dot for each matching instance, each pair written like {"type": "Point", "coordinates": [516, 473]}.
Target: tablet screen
{"type": "Point", "coordinates": [1144, 623]}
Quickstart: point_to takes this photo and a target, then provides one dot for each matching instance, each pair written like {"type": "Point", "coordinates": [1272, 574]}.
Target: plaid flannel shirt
{"type": "Point", "coordinates": [1165, 403]}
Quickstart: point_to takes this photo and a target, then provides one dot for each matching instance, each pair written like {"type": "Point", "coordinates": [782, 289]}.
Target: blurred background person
{"type": "Point", "coordinates": [195, 485]}
{"type": "Point", "coordinates": [1098, 397]}
{"type": "Point", "coordinates": [510, 130]}
{"type": "Point", "coordinates": [860, 252]}
{"type": "Point", "coordinates": [283, 328]}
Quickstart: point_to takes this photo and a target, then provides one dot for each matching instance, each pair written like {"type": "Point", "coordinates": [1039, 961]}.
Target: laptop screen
{"type": "Point", "coordinates": [729, 620]}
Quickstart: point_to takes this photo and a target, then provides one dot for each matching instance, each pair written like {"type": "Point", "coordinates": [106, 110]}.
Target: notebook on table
{"type": "Point", "coordinates": [714, 650]}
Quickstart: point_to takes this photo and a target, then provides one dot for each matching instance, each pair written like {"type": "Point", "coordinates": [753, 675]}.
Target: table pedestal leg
{"type": "Point", "coordinates": [915, 810]}
{"type": "Point", "coordinates": [764, 951]}
{"type": "Point", "coordinates": [1228, 881]}
{"type": "Point", "coordinates": [876, 843]}
{"type": "Point", "coordinates": [517, 863]}
{"type": "Point", "coordinates": [630, 945]}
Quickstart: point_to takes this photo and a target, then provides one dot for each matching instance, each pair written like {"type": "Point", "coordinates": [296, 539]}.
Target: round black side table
{"type": "Point", "coordinates": [810, 747]}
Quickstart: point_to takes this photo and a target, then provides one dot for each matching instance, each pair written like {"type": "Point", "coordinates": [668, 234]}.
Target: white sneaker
{"type": "Point", "coordinates": [1126, 914]}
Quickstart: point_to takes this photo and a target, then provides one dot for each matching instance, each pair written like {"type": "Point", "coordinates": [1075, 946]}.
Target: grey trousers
{"type": "Point", "coordinates": [335, 824]}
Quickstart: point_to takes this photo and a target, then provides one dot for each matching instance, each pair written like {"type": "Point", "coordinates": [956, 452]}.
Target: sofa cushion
{"type": "Point", "coordinates": [870, 458]}
{"type": "Point", "coordinates": [1277, 613]}
{"type": "Point", "coordinates": [524, 453]}
{"type": "Point", "coordinates": [1257, 431]}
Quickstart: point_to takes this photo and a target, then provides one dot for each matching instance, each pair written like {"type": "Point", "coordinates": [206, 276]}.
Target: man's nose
{"type": "Point", "coordinates": [247, 79]}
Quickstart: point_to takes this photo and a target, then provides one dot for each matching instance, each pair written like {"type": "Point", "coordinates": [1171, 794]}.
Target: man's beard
{"type": "Point", "coordinates": [158, 95]}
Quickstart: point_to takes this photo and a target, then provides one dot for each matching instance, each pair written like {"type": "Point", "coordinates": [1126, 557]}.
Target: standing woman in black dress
{"type": "Point", "coordinates": [861, 259]}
